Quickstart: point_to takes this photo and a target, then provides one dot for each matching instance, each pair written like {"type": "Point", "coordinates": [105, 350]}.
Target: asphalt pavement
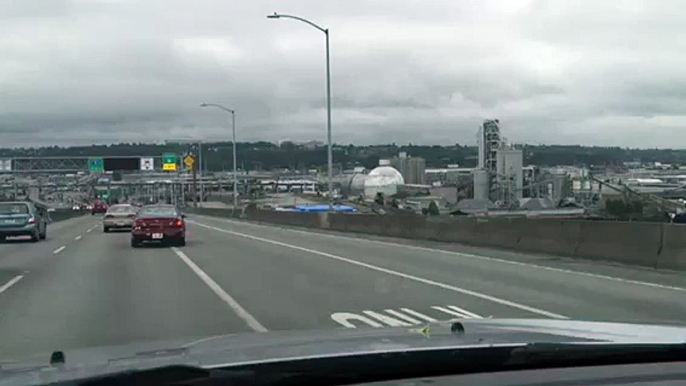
{"type": "Point", "coordinates": [85, 288]}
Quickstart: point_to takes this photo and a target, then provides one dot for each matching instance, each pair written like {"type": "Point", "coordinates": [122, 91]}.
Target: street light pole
{"type": "Point", "coordinates": [233, 127]}
{"type": "Point", "coordinates": [328, 123]}
{"type": "Point", "coordinates": [328, 98]}
{"type": "Point", "coordinates": [235, 176]}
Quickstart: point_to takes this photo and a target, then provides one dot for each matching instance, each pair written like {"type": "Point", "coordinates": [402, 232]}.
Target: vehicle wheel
{"type": "Point", "coordinates": [92, 213]}
{"type": "Point", "coordinates": [105, 229]}
{"type": "Point", "coordinates": [181, 243]}
{"type": "Point", "coordinates": [43, 235]}
{"type": "Point", "coordinates": [35, 237]}
{"type": "Point", "coordinates": [135, 243]}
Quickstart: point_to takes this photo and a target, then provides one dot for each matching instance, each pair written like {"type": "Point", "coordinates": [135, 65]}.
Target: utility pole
{"type": "Point", "coordinates": [195, 185]}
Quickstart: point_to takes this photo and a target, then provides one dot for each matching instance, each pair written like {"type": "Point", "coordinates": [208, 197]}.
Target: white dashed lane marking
{"type": "Point", "coordinates": [58, 250]}
{"type": "Point", "coordinates": [219, 291]}
{"type": "Point", "coordinates": [10, 283]}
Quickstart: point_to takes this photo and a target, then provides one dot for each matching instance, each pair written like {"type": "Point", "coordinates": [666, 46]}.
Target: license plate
{"type": "Point", "coordinates": [157, 236]}
{"type": "Point", "coordinates": [11, 221]}
{"type": "Point", "coordinates": [120, 223]}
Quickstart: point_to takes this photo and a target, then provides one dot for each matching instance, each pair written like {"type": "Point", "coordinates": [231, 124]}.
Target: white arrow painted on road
{"type": "Point", "coordinates": [344, 318]}
{"type": "Point", "coordinates": [386, 319]}
{"type": "Point", "coordinates": [398, 318]}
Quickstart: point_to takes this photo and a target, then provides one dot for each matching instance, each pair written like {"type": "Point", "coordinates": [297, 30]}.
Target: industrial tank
{"type": "Point", "coordinates": [352, 185]}
{"type": "Point", "coordinates": [481, 184]}
{"type": "Point", "coordinates": [384, 180]}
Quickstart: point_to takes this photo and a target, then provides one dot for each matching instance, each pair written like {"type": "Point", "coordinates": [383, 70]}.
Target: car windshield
{"type": "Point", "coordinates": [13, 208]}
{"type": "Point", "coordinates": [160, 212]}
{"type": "Point", "coordinates": [336, 167]}
{"type": "Point", "coordinates": [121, 209]}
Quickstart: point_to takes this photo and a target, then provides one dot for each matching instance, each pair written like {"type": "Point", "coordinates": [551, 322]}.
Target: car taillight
{"type": "Point", "coordinates": [109, 216]}
{"type": "Point", "coordinates": [138, 224]}
{"type": "Point", "coordinates": [178, 223]}
{"type": "Point", "coordinates": [32, 220]}
{"type": "Point", "coordinates": [132, 216]}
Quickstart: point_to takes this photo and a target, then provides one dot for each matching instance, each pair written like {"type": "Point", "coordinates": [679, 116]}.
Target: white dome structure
{"type": "Point", "coordinates": [384, 180]}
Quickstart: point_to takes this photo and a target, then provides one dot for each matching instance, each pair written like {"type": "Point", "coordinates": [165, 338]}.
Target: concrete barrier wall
{"type": "Point", "coordinates": [652, 245]}
{"type": "Point", "coordinates": [310, 220]}
{"type": "Point", "coordinates": [227, 213]}
{"type": "Point", "coordinates": [635, 243]}
{"type": "Point", "coordinates": [550, 236]}
{"type": "Point", "coordinates": [60, 215]}
{"type": "Point", "coordinates": [673, 252]}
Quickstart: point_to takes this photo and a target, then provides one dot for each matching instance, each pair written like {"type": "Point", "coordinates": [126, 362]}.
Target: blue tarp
{"type": "Point", "coordinates": [324, 208]}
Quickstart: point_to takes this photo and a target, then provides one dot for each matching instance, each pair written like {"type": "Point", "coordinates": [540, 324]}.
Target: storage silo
{"type": "Point", "coordinates": [481, 184]}
{"type": "Point", "coordinates": [384, 180]}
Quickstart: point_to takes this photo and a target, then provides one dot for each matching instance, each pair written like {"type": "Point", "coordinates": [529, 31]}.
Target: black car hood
{"type": "Point", "coordinates": [235, 350]}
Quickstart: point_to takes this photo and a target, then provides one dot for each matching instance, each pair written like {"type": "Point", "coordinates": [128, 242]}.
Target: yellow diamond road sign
{"type": "Point", "coordinates": [189, 161]}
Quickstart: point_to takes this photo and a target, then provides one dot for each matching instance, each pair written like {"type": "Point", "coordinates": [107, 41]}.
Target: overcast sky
{"type": "Point", "coordinates": [420, 71]}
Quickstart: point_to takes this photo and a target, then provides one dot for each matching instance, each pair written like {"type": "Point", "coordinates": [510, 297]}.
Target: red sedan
{"type": "Point", "coordinates": [159, 223]}
{"type": "Point", "coordinates": [99, 207]}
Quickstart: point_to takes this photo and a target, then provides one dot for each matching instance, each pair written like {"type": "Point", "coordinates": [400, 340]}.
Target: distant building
{"type": "Point", "coordinates": [447, 176]}
{"type": "Point", "coordinates": [413, 169]}
{"type": "Point", "coordinates": [509, 167]}
{"type": "Point", "coordinates": [383, 179]}
{"type": "Point", "coordinates": [489, 141]}
{"type": "Point", "coordinates": [311, 145]}
{"type": "Point", "coordinates": [481, 185]}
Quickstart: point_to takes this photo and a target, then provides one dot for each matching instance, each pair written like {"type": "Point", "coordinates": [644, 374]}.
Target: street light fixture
{"type": "Point", "coordinates": [328, 97]}
{"type": "Point", "coordinates": [233, 125]}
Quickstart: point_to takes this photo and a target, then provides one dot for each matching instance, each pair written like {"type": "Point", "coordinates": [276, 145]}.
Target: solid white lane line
{"type": "Point", "coordinates": [392, 272]}
{"type": "Point", "coordinates": [219, 291]}
{"type": "Point", "coordinates": [77, 238]}
{"type": "Point", "coordinates": [10, 283]}
{"type": "Point", "coordinates": [467, 255]}
{"type": "Point", "coordinates": [58, 250]}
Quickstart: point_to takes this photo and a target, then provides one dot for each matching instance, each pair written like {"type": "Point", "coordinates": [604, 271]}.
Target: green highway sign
{"type": "Point", "coordinates": [96, 165]}
{"type": "Point", "coordinates": [169, 158]}
{"type": "Point", "coordinates": [169, 162]}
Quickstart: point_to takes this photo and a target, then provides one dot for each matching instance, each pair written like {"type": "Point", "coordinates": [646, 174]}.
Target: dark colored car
{"type": "Point", "coordinates": [23, 219]}
{"type": "Point", "coordinates": [99, 207]}
{"type": "Point", "coordinates": [159, 223]}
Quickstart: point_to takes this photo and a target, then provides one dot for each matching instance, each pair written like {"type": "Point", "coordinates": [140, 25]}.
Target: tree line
{"type": "Point", "coordinates": [288, 155]}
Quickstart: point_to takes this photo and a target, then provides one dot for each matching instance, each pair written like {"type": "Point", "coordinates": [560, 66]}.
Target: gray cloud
{"type": "Point", "coordinates": [98, 71]}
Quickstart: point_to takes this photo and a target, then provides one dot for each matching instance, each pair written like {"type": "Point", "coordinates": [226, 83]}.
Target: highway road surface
{"type": "Point", "coordinates": [84, 288]}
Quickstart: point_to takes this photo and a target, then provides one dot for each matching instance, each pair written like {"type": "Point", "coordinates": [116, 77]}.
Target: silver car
{"type": "Point", "coordinates": [119, 216]}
